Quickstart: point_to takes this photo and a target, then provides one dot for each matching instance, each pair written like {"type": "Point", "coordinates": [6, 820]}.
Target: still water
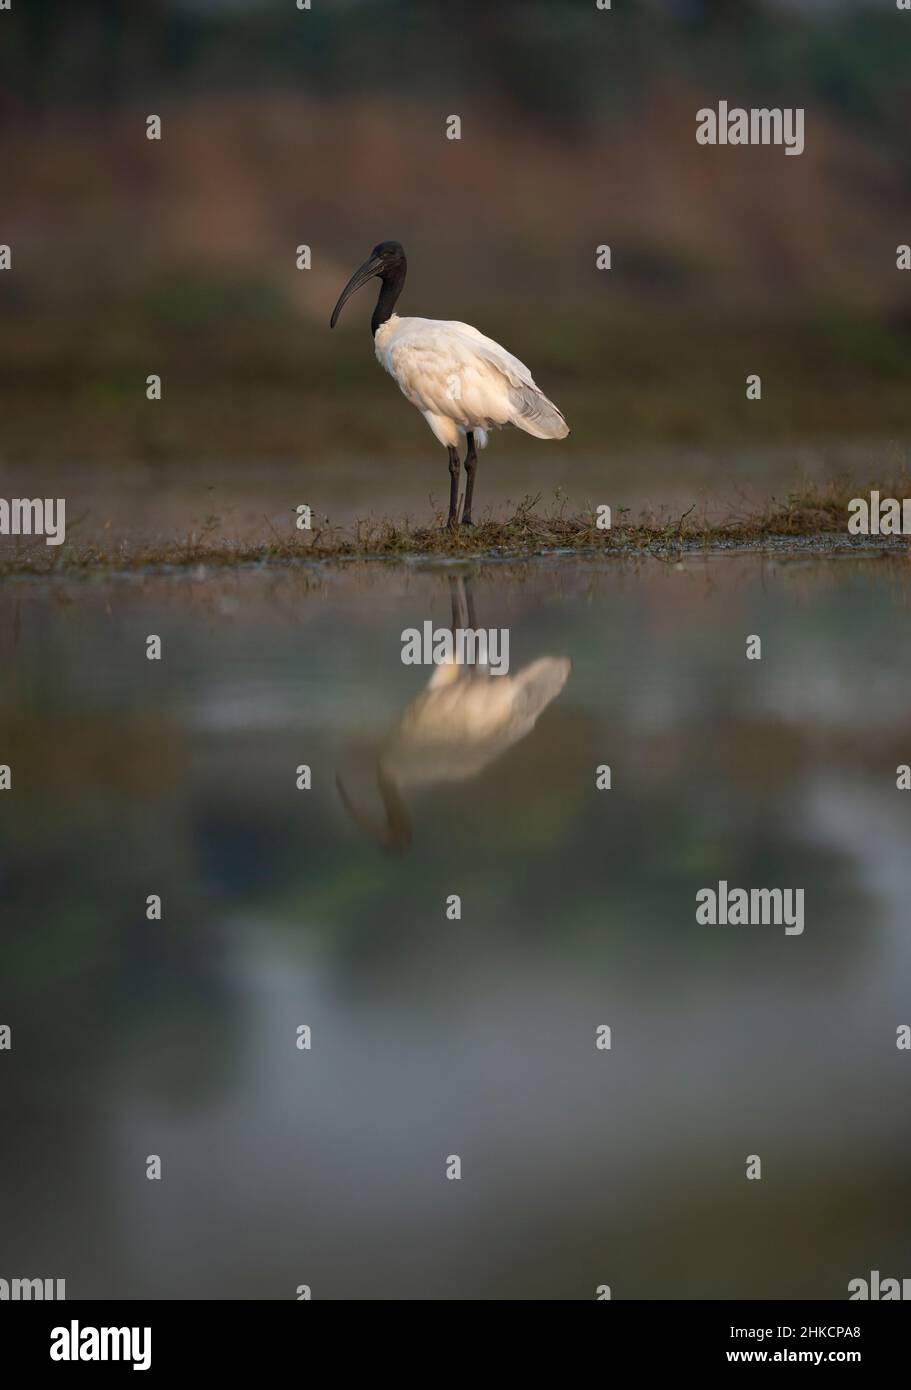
{"type": "Point", "coordinates": [475, 1037]}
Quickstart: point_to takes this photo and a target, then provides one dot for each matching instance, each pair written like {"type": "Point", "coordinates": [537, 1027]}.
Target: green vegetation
{"type": "Point", "coordinates": [280, 128]}
{"type": "Point", "coordinates": [809, 513]}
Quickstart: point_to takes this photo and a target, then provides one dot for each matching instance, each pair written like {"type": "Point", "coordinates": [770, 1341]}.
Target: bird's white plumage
{"type": "Point", "coordinates": [460, 723]}
{"type": "Point", "coordinates": [462, 381]}
{"type": "Point", "coordinates": [464, 719]}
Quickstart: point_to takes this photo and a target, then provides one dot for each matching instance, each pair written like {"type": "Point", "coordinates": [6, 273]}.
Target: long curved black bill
{"type": "Point", "coordinates": [360, 277]}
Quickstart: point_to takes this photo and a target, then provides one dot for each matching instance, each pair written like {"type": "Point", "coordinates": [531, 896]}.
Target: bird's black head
{"type": "Point", "coordinates": [390, 253]}
{"type": "Point", "coordinates": [386, 260]}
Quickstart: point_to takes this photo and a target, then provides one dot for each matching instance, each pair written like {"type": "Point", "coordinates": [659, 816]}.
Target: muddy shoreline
{"type": "Point", "coordinates": [196, 561]}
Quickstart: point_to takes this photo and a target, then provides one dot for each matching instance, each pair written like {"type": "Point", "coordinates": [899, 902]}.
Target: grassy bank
{"type": "Point", "coordinates": [808, 515]}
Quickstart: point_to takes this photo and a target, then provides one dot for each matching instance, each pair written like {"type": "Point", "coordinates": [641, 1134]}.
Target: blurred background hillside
{"type": "Point", "coordinates": [326, 127]}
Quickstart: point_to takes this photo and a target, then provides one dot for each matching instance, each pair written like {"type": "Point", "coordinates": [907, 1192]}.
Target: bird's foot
{"type": "Point", "coordinates": [451, 524]}
{"type": "Point", "coordinates": [467, 521]}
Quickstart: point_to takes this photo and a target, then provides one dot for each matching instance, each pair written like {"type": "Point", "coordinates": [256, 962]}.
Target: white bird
{"type": "Point", "coordinates": [462, 383]}
{"type": "Point", "coordinates": [460, 723]}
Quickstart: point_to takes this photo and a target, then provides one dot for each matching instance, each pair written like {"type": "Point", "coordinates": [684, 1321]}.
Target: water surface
{"type": "Point", "coordinates": [433, 1037]}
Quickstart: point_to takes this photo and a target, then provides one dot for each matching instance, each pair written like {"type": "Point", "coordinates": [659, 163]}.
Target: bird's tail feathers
{"type": "Point", "coordinates": [536, 415]}
{"type": "Point", "coordinates": [539, 683]}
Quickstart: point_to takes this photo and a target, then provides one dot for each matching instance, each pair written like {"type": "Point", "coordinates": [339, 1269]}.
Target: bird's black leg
{"type": "Point", "coordinates": [454, 465]}
{"type": "Point", "coordinates": [469, 603]}
{"type": "Point", "coordinates": [471, 463]}
{"type": "Point", "coordinates": [459, 608]}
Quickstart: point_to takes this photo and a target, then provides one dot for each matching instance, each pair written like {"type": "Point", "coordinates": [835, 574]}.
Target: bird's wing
{"type": "Point", "coordinates": [495, 353]}
{"type": "Point", "coordinates": [449, 369]}
{"type": "Point", "coordinates": [536, 685]}
{"type": "Point", "coordinates": [439, 369]}
{"type": "Point", "coordinates": [533, 411]}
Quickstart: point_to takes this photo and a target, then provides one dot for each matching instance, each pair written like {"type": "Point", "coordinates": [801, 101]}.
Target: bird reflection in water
{"type": "Point", "coordinates": [462, 721]}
